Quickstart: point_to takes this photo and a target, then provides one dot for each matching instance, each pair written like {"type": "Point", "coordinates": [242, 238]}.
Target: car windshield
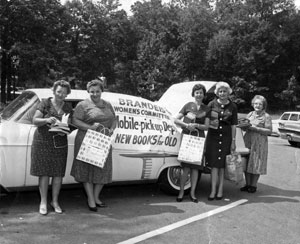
{"type": "Point", "coordinates": [21, 109]}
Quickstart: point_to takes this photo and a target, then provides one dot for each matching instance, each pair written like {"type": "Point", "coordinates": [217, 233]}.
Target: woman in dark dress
{"type": "Point", "coordinates": [91, 114]}
{"type": "Point", "coordinates": [195, 121]}
{"type": "Point", "coordinates": [49, 149]}
{"type": "Point", "coordinates": [220, 137]}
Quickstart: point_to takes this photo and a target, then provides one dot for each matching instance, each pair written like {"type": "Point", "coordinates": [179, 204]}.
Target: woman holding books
{"type": "Point", "coordinates": [220, 137]}
{"type": "Point", "coordinates": [193, 118]}
{"type": "Point", "coordinates": [93, 113]}
{"type": "Point", "coordinates": [50, 149]}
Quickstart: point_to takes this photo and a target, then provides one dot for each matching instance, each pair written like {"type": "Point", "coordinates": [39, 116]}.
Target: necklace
{"type": "Point", "coordinates": [223, 102]}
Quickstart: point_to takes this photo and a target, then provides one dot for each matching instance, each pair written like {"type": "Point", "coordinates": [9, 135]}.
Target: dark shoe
{"type": "Point", "coordinates": [252, 189]}
{"type": "Point", "coordinates": [101, 205]}
{"type": "Point", "coordinates": [195, 200]}
{"type": "Point", "coordinates": [211, 198]}
{"type": "Point", "coordinates": [179, 199]}
{"type": "Point", "coordinates": [93, 209]}
{"type": "Point", "coordinates": [244, 188]}
{"type": "Point", "coordinates": [219, 198]}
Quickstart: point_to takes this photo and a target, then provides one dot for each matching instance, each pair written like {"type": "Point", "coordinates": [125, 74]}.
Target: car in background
{"type": "Point", "coordinates": [275, 126]}
{"type": "Point", "coordinates": [145, 143]}
{"type": "Point", "coordinates": [289, 127]}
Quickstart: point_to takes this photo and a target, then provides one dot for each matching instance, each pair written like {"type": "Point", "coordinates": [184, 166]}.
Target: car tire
{"type": "Point", "coordinates": [169, 180]}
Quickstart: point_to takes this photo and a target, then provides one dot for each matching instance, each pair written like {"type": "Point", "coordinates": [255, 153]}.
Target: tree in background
{"type": "Point", "coordinates": [253, 45]}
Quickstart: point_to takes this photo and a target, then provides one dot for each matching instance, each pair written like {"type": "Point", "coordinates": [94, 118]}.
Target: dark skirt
{"type": "Point", "coordinates": [218, 145]}
{"type": "Point", "coordinates": [48, 153]}
{"type": "Point", "coordinates": [85, 172]}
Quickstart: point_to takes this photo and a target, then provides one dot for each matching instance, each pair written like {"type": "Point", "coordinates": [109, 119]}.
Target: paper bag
{"type": "Point", "coordinates": [191, 149]}
{"type": "Point", "coordinates": [94, 148]}
{"type": "Point", "coordinates": [234, 168]}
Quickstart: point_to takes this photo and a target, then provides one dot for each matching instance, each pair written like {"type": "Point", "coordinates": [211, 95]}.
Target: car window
{"type": "Point", "coordinates": [285, 116]}
{"type": "Point", "coordinates": [21, 109]}
{"type": "Point", "coordinates": [294, 117]}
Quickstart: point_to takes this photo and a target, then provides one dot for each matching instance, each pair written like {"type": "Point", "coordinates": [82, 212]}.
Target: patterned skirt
{"type": "Point", "coordinates": [48, 153]}
{"type": "Point", "coordinates": [258, 145]}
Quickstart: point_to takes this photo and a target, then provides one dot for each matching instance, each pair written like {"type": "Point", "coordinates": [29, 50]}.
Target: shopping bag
{"type": "Point", "coordinates": [234, 168]}
{"type": "Point", "coordinates": [191, 149]}
{"type": "Point", "coordinates": [94, 148]}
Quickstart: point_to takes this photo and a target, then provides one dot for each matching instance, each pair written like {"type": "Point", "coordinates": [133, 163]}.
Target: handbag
{"type": "Point", "coordinates": [95, 147]}
{"type": "Point", "coordinates": [191, 150]}
{"type": "Point", "coordinates": [243, 123]}
{"type": "Point", "coordinates": [234, 168]}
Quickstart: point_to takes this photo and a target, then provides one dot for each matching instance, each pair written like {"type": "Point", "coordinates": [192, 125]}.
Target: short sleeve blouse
{"type": "Point", "coordinates": [227, 114]}
{"type": "Point", "coordinates": [88, 112]}
{"type": "Point", "coordinates": [190, 109]}
{"type": "Point", "coordinates": [263, 120]}
{"type": "Point", "coordinates": [48, 110]}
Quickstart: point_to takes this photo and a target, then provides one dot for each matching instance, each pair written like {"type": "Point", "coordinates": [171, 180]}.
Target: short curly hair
{"type": "Point", "coordinates": [261, 98]}
{"type": "Point", "coordinates": [222, 84]}
{"type": "Point", "coordinates": [62, 83]}
{"type": "Point", "coordinates": [198, 87]}
{"type": "Point", "coordinates": [94, 83]}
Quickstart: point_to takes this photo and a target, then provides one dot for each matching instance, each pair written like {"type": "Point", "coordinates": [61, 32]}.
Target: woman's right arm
{"type": "Point", "coordinates": [79, 118]}
{"type": "Point", "coordinates": [83, 125]}
{"type": "Point", "coordinates": [178, 121]}
{"type": "Point", "coordinates": [38, 119]}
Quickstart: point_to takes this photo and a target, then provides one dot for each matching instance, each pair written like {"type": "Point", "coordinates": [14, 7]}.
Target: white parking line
{"type": "Point", "coordinates": [181, 223]}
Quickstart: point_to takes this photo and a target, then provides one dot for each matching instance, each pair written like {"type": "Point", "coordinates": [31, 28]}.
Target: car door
{"type": "Point", "coordinates": [293, 122]}
{"type": "Point", "coordinates": [284, 118]}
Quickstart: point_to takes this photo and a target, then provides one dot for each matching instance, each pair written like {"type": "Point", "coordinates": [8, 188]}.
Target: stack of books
{"type": "Point", "coordinates": [60, 128]}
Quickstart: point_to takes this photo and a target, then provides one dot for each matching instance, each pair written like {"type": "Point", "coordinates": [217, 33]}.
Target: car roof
{"type": "Point", "coordinates": [78, 95]}
{"type": "Point", "coordinates": [47, 92]}
{"type": "Point", "coordinates": [294, 112]}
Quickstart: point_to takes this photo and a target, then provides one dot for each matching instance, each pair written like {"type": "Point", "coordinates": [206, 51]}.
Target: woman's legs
{"type": "Point", "coordinates": [97, 191]}
{"type": "Point", "coordinates": [43, 187]}
{"type": "Point", "coordinates": [56, 186]}
{"type": "Point", "coordinates": [253, 183]}
{"type": "Point", "coordinates": [248, 179]}
{"type": "Point", "coordinates": [221, 182]}
{"type": "Point", "coordinates": [194, 181]}
{"type": "Point", "coordinates": [183, 179]}
{"type": "Point", "coordinates": [89, 189]}
{"type": "Point", "coordinates": [248, 182]}
{"type": "Point", "coordinates": [213, 180]}
{"type": "Point", "coordinates": [254, 180]}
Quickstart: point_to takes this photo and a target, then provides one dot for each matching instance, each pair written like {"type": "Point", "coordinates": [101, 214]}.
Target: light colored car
{"type": "Point", "coordinates": [275, 126]}
{"type": "Point", "coordinates": [289, 127]}
{"type": "Point", "coordinates": [145, 144]}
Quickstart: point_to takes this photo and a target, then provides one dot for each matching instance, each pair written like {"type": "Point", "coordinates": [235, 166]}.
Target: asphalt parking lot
{"type": "Point", "coordinates": [144, 214]}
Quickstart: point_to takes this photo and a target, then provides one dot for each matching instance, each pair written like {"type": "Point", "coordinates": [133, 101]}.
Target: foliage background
{"type": "Point", "coordinates": [251, 44]}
